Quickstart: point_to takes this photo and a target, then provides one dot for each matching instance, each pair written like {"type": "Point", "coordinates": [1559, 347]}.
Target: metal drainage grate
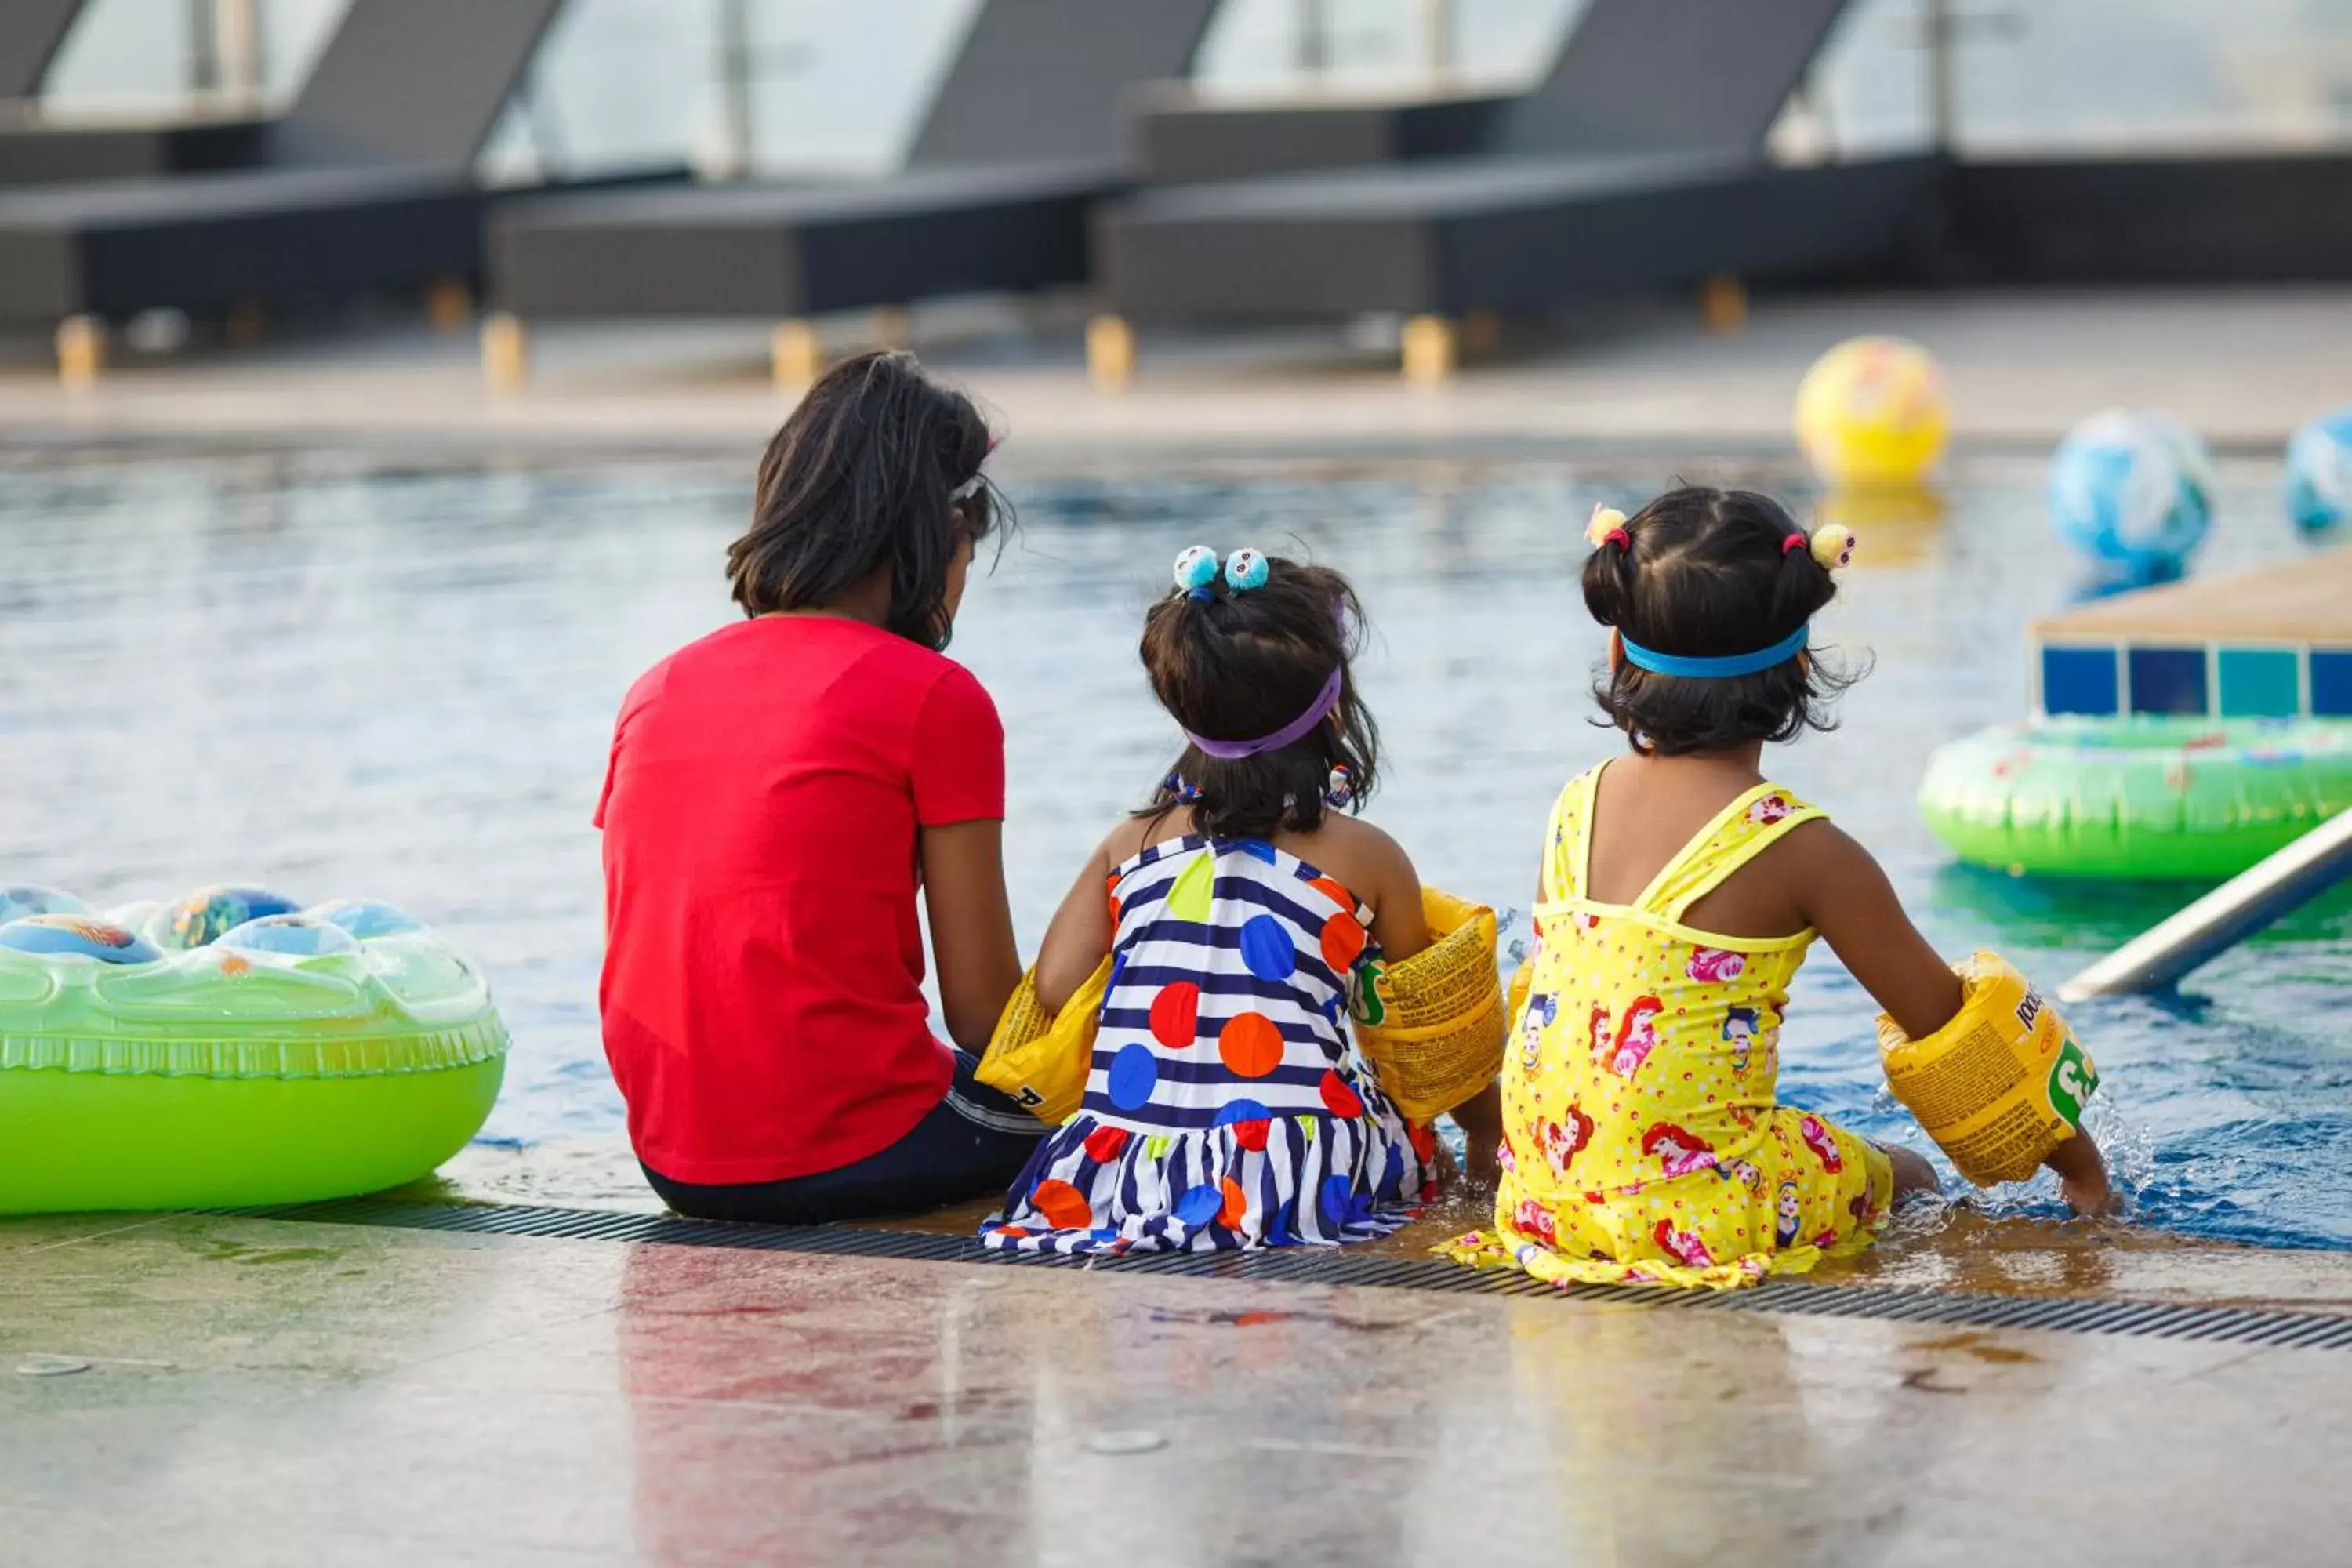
{"type": "Point", "coordinates": [1323, 1266]}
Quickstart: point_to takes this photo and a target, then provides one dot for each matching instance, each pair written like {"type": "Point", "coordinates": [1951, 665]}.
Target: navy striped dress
{"type": "Point", "coordinates": [1226, 1106]}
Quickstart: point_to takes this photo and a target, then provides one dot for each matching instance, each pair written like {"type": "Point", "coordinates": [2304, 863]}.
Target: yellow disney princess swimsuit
{"type": "Point", "coordinates": [1643, 1143]}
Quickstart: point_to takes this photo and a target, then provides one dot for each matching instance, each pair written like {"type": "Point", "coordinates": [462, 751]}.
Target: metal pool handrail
{"type": "Point", "coordinates": [2225, 917]}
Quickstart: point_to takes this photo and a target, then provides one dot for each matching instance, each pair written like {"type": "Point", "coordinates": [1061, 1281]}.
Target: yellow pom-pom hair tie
{"type": "Point", "coordinates": [1834, 546]}
{"type": "Point", "coordinates": [1607, 527]}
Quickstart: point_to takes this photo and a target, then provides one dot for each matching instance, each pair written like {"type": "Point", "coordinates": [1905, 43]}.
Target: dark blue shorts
{"type": "Point", "coordinates": [971, 1144]}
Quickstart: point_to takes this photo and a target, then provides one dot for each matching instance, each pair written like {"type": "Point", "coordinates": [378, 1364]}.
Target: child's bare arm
{"type": "Point", "coordinates": [1080, 935]}
{"type": "Point", "coordinates": [1398, 923]}
{"type": "Point", "coordinates": [1842, 893]}
{"type": "Point", "coordinates": [971, 928]}
{"type": "Point", "coordinates": [1845, 895]}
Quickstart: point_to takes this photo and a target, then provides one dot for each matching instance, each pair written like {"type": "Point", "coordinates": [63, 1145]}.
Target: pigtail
{"type": "Point", "coordinates": [1807, 579]}
{"type": "Point", "coordinates": [1800, 586]}
{"type": "Point", "coordinates": [1609, 573]}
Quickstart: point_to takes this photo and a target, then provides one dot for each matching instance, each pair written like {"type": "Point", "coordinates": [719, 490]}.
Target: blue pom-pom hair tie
{"type": "Point", "coordinates": [1247, 570]}
{"type": "Point", "coordinates": [1196, 572]}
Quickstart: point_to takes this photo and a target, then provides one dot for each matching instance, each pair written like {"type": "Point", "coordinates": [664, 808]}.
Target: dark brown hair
{"type": "Point", "coordinates": [1705, 573]}
{"type": "Point", "coordinates": [1235, 666]}
{"type": "Point", "coordinates": [864, 473]}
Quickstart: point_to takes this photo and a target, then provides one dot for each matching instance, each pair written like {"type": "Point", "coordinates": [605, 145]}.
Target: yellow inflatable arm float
{"type": "Point", "coordinates": [1042, 1058]}
{"type": "Point", "coordinates": [1433, 1026]}
{"type": "Point", "coordinates": [1998, 1087]}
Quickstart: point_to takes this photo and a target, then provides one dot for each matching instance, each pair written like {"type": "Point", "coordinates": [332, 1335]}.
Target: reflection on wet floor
{"type": "Point", "coordinates": [259, 1390]}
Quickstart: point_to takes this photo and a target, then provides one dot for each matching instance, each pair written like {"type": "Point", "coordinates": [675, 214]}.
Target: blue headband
{"type": "Point", "coordinates": [1715, 668]}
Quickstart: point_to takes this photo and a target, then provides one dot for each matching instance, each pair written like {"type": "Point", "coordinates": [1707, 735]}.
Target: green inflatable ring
{"type": "Point", "coordinates": [294, 1058]}
{"type": "Point", "coordinates": [2147, 797]}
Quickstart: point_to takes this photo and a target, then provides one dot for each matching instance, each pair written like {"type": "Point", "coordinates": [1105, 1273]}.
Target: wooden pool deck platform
{"type": "Point", "coordinates": [2306, 600]}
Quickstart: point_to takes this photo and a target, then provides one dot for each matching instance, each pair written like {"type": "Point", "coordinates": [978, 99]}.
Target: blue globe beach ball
{"type": "Point", "coordinates": [2319, 473]}
{"type": "Point", "coordinates": [2133, 491]}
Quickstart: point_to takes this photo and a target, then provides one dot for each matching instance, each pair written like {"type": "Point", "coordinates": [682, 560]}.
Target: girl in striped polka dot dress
{"type": "Point", "coordinates": [1226, 1106]}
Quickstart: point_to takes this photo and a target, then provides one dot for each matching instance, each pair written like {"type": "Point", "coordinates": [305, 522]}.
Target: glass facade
{"type": "Point", "coordinates": [838, 84]}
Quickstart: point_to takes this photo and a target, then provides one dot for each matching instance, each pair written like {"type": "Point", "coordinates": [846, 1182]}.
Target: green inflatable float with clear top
{"type": "Point", "coordinates": [2193, 798]}
{"type": "Point", "coordinates": [230, 1051]}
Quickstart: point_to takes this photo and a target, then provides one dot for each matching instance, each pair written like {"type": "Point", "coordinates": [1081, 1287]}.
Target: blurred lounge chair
{"type": "Point", "coordinates": [1725, 71]}
{"type": "Point", "coordinates": [30, 32]}
{"type": "Point", "coordinates": [386, 60]}
{"type": "Point", "coordinates": [1018, 145]}
{"type": "Point", "coordinates": [1650, 173]}
{"type": "Point", "coordinates": [370, 188]}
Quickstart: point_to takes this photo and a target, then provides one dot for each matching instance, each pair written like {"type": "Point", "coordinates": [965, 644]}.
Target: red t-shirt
{"type": "Point", "coordinates": [761, 997]}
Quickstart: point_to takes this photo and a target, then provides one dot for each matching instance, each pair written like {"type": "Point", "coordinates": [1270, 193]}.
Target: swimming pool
{"type": "Point", "coordinates": [339, 677]}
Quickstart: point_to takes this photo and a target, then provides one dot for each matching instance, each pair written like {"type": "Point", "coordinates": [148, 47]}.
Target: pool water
{"type": "Point", "coordinates": [341, 679]}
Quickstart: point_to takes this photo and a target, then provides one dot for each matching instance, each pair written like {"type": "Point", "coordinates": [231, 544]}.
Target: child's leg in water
{"type": "Point", "coordinates": [2082, 1176]}
{"type": "Point", "coordinates": [1480, 1117]}
{"type": "Point", "coordinates": [1913, 1174]}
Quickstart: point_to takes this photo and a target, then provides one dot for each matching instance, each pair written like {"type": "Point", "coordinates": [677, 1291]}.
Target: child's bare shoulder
{"type": "Point", "coordinates": [1819, 858]}
{"type": "Point", "coordinates": [1131, 836]}
{"type": "Point", "coordinates": [1358, 853]}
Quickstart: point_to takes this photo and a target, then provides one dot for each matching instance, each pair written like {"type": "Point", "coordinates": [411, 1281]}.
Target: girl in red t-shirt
{"type": "Point", "coordinates": [778, 793]}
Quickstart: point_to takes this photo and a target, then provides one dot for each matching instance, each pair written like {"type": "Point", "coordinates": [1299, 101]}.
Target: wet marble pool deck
{"type": "Point", "coordinates": [261, 1391]}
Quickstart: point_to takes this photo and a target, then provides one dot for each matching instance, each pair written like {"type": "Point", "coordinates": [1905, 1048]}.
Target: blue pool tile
{"type": "Point", "coordinates": [2168, 680]}
{"type": "Point", "coordinates": [2079, 680]}
{"type": "Point", "coordinates": [2260, 682]}
{"type": "Point", "coordinates": [2331, 682]}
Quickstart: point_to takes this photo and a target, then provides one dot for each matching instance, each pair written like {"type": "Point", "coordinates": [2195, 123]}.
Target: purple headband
{"type": "Point", "coordinates": [1316, 712]}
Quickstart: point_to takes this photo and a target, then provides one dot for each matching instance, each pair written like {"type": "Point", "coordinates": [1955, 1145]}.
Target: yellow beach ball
{"type": "Point", "coordinates": [1872, 411]}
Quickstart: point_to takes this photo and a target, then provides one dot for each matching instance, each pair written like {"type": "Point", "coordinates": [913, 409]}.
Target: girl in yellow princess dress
{"type": "Point", "coordinates": [1679, 892]}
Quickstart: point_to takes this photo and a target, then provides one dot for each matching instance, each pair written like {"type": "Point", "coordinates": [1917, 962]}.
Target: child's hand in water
{"type": "Point", "coordinates": [2083, 1178]}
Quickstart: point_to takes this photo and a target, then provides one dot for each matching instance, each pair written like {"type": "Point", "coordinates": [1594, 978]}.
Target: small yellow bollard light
{"type": "Point", "coordinates": [1110, 353]}
{"type": "Point", "coordinates": [795, 355]}
{"type": "Point", "coordinates": [1432, 350]}
{"type": "Point", "coordinates": [506, 352]}
{"type": "Point", "coordinates": [81, 349]}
